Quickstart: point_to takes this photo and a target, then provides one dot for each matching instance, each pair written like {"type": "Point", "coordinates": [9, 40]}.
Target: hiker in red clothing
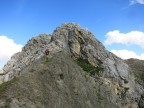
{"type": "Point", "coordinates": [46, 54]}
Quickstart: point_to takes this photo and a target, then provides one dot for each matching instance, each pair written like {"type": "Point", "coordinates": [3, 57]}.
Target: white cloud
{"type": "Point", "coordinates": [7, 48]}
{"type": "Point", "coordinates": [126, 54]}
{"type": "Point", "coordinates": [133, 37]}
{"type": "Point", "coordinates": [132, 2]}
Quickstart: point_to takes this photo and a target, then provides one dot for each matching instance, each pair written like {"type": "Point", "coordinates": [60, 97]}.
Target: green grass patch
{"type": "Point", "coordinates": [5, 85]}
{"type": "Point", "coordinates": [86, 66]}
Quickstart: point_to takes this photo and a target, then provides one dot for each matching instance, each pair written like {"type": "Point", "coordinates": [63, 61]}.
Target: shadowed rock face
{"type": "Point", "coordinates": [61, 83]}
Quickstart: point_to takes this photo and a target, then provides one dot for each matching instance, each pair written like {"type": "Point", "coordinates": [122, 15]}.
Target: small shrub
{"type": "Point", "coordinates": [92, 70]}
{"type": "Point", "coordinates": [5, 85]}
{"type": "Point", "coordinates": [57, 43]}
{"type": "Point", "coordinates": [46, 59]}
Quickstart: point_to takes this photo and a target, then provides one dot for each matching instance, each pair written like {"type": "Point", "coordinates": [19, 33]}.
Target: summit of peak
{"type": "Point", "coordinates": [70, 25]}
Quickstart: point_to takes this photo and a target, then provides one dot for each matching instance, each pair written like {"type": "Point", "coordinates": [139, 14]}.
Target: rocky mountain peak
{"type": "Point", "coordinates": [80, 44]}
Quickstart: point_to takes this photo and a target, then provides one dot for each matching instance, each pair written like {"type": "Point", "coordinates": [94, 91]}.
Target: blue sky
{"type": "Point", "coordinates": [22, 19]}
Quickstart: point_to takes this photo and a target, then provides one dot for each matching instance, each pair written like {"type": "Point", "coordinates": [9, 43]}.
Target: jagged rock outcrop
{"type": "Point", "coordinates": [79, 43]}
{"type": "Point", "coordinates": [82, 43]}
{"type": "Point", "coordinates": [30, 52]}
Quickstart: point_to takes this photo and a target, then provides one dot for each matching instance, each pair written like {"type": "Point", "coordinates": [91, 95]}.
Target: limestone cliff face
{"type": "Point", "coordinates": [77, 43]}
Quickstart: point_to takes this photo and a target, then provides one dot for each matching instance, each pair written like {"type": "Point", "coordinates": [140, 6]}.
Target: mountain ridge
{"type": "Point", "coordinates": [79, 44]}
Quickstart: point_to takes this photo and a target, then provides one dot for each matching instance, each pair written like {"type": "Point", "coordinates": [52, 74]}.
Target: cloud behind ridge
{"type": "Point", "coordinates": [7, 48]}
{"type": "Point", "coordinates": [132, 38]}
